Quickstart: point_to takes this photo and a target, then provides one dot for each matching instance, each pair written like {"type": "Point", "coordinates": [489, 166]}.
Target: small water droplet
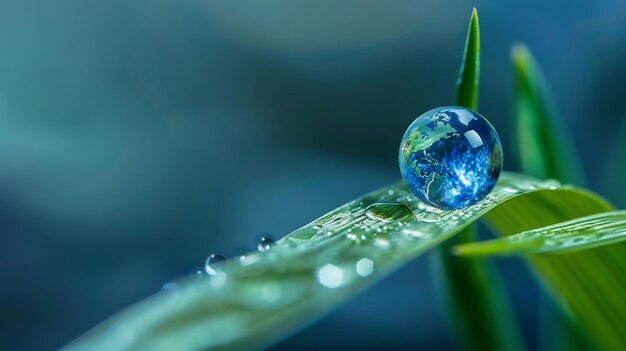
{"type": "Point", "coordinates": [429, 217]}
{"type": "Point", "coordinates": [351, 236]}
{"type": "Point", "coordinates": [265, 243]}
{"type": "Point", "coordinates": [381, 242]}
{"type": "Point", "coordinates": [389, 212]}
{"type": "Point", "coordinates": [416, 233]}
{"type": "Point", "coordinates": [390, 192]}
{"type": "Point", "coordinates": [364, 267]}
{"type": "Point", "coordinates": [510, 190]}
{"type": "Point", "coordinates": [197, 272]}
{"type": "Point", "coordinates": [330, 276]}
{"type": "Point", "coordinates": [212, 263]}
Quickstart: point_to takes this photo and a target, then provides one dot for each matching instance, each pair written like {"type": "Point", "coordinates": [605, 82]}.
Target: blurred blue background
{"type": "Point", "coordinates": [138, 137]}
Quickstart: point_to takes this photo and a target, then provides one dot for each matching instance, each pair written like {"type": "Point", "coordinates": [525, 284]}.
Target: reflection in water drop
{"type": "Point", "coordinates": [212, 263]}
{"type": "Point", "coordinates": [265, 243]}
{"type": "Point", "coordinates": [389, 212]}
{"type": "Point", "coordinates": [330, 276]}
{"type": "Point", "coordinates": [364, 267]}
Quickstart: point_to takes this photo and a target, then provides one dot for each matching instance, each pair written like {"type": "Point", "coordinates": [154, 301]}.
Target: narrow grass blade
{"type": "Point", "coordinates": [469, 74]}
{"type": "Point", "coordinates": [578, 234]}
{"type": "Point", "coordinates": [545, 148]}
{"type": "Point", "coordinates": [269, 295]}
{"type": "Point", "coordinates": [471, 289]}
{"type": "Point", "coordinates": [475, 297]}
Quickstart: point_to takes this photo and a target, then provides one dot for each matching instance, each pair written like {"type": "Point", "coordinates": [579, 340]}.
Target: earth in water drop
{"type": "Point", "coordinates": [450, 157]}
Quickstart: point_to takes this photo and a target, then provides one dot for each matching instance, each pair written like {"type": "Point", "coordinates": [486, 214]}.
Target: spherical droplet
{"type": "Point", "coordinates": [212, 264]}
{"type": "Point", "coordinates": [450, 157]}
{"type": "Point", "coordinates": [265, 243]}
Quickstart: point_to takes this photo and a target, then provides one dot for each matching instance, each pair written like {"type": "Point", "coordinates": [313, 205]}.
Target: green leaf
{"type": "Point", "coordinates": [545, 148]}
{"type": "Point", "coordinates": [469, 74]}
{"type": "Point", "coordinates": [542, 152]}
{"type": "Point", "coordinates": [578, 234]}
{"type": "Point", "coordinates": [269, 295]}
{"type": "Point", "coordinates": [588, 285]}
{"type": "Point", "coordinates": [471, 289]}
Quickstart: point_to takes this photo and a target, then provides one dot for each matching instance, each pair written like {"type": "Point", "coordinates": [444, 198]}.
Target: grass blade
{"type": "Point", "coordinates": [475, 297]}
{"type": "Point", "coordinates": [578, 234]}
{"type": "Point", "coordinates": [545, 151]}
{"type": "Point", "coordinates": [587, 285]}
{"type": "Point", "coordinates": [271, 294]}
{"type": "Point", "coordinates": [471, 289]}
{"type": "Point", "coordinates": [545, 148]}
{"type": "Point", "coordinates": [469, 74]}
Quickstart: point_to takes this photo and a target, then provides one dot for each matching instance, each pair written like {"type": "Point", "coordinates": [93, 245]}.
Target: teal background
{"type": "Point", "coordinates": [138, 137]}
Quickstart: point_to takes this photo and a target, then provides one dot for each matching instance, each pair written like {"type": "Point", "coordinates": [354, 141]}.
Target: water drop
{"type": "Point", "coordinates": [450, 157]}
{"type": "Point", "coordinates": [389, 212]}
{"type": "Point", "coordinates": [381, 242]}
{"type": "Point", "coordinates": [429, 217]}
{"type": "Point", "coordinates": [364, 267]}
{"type": "Point", "coordinates": [265, 243]}
{"type": "Point", "coordinates": [212, 263]}
{"type": "Point", "coordinates": [199, 273]}
{"type": "Point", "coordinates": [330, 276]}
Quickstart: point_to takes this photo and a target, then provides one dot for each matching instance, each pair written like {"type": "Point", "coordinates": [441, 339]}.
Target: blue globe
{"type": "Point", "coordinates": [450, 157]}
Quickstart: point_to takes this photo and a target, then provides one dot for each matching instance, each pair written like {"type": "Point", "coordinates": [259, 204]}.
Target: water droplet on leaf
{"type": "Point", "coordinates": [389, 212]}
{"type": "Point", "coordinates": [450, 157]}
{"type": "Point", "coordinates": [364, 267]}
{"type": "Point", "coordinates": [265, 243]}
{"type": "Point", "coordinates": [330, 276]}
{"type": "Point", "coordinates": [212, 263]}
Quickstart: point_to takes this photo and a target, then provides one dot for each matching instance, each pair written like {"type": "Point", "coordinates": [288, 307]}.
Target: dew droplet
{"type": "Point", "coordinates": [429, 217]}
{"type": "Point", "coordinates": [265, 243]}
{"type": "Point", "coordinates": [364, 267]}
{"type": "Point", "coordinates": [330, 276]}
{"type": "Point", "coordinates": [212, 263]}
{"type": "Point", "coordinates": [389, 212]}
